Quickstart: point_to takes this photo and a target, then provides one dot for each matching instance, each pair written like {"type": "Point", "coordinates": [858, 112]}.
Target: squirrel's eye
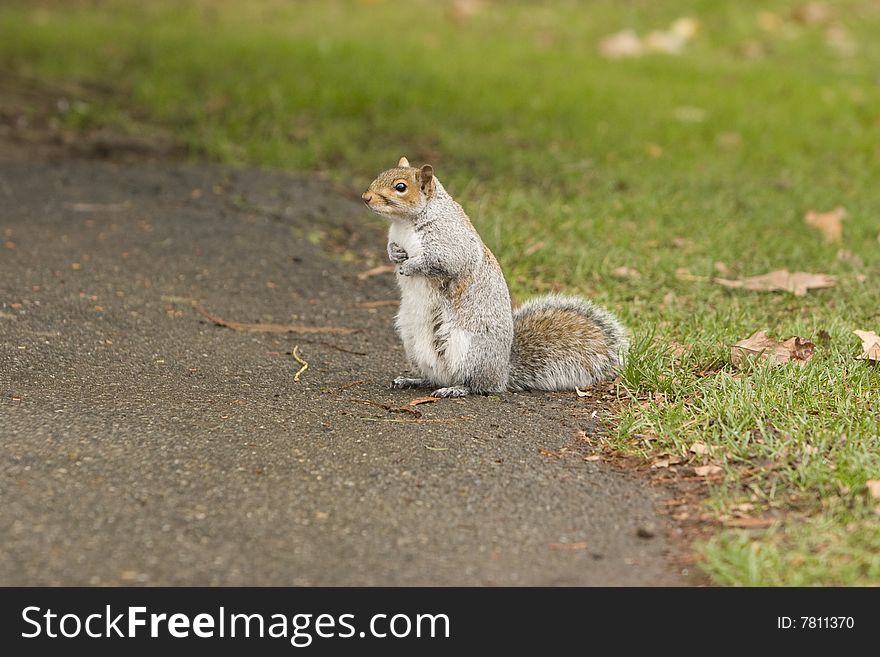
{"type": "Point", "coordinates": [400, 187]}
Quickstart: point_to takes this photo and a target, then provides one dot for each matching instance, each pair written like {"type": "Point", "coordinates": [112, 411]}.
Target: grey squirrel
{"type": "Point", "coordinates": [455, 320]}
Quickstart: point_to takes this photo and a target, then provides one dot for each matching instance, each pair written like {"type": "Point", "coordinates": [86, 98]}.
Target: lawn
{"type": "Point", "coordinates": [637, 181]}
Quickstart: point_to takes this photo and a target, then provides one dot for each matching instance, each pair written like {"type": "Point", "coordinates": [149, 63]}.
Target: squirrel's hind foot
{"type": "Point", "coordinates": [452, 391]}
{"type": "Point", "coordinates": [406, 382]}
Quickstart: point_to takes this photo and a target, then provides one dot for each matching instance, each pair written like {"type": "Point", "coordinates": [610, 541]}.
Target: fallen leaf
{"type": "Point", "coordinates": [707, 470]}
{"type": "Point", "coordinates": [626, 272]}
{"type": "Point", "coordinates": [546, 453]}
{"type": "Point", "coordinates": [699, 449]}
{"type": "Point", "coordinates": [375, 271]}
{"type": "Point", "coordinates": [798, 283]}
{"type": "Point", "coordinates": [423, 400]}
{"type": "Point", "coordinates": [668, 43]}
{"type": "Point", "coordinates": [686, 27]}
{"type": "Point", "coordinates": [593, 457]}
{"type": "Point", "coordinates": [460, 10]}
{"type": "Point", "coordinates": [749, 523]}
{"type": "Point", "coordinates": [622, 44]}
{"type": "Point", "coordinates": [870, 346]}
{"type": "Point", "coordinates": [830, 224]}
{"type": "Point", "coordinates": [581, 393]}
{"type": "Point", "coordinates": [665, 462]}
{"type": "Point", "coordinates": [874, 488]}
{"type": "Point", "coordinates": [812, 13]}
{"type": "Point", "coordinates": [762, 346]}
{"type": "Point", "coordinates": [678, 350]}
{"type": "Point", "coordinates": [838, 38]}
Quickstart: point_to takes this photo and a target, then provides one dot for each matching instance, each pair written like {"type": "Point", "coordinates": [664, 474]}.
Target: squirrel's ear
{"type": "Point", "coordinates": [426, 174]}
{"type": "Point", "coordinates": [403, 162]}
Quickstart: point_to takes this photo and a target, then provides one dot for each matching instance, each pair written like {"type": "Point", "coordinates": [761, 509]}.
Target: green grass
{"type": "Point", "coordinates": [590, 165]}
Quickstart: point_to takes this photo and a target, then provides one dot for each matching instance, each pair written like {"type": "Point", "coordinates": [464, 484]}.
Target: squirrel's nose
{"type": "Point", "coordinates": [367, 196]}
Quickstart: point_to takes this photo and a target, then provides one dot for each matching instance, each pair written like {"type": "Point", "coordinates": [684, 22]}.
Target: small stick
{"type": "Point", "coordinates": [299, 360]}
{"type": "Point", "coordinates": [269, 328]}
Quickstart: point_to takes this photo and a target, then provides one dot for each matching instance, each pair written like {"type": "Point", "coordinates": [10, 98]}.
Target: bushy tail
{"type": "Point", "coordinates": [560, 343]}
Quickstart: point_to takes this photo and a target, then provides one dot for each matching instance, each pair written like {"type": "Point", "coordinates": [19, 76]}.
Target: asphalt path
{"type": "Point", "coordinates": [140, 443]}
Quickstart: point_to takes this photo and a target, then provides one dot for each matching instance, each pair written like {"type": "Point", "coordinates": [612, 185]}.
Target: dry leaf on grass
{"type": "Point", "coordinates": [626, 272]}
{"type": "Point", "coordinates": [622, 44]}
{"type": "Point", "coordinates": [665, 462]}
{"type": "Point", "coordinates": [700, 449]}
{"type": "Point", "coordinates": [707, 470]}
{"type": "Point", "coordinates": [873, 488]}
{"type": "Point", "coordinates": [870, 345]}
{"type": "Point", "coordinates": [627, 43]}
{"type": "Point", "coordinates": [798, 283]}
{"type": "Point", "coordinates": [830, 224]}
{"type": "Point", "coordinates": [761, 346]}
{"type": "Point", "coordinates": [749, 523]}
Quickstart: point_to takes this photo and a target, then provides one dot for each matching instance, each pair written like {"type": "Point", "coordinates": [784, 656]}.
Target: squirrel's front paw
{"type": "Point", "coordinates": [396, 253]}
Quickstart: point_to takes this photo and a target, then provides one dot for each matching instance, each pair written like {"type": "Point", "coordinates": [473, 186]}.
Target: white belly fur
{"type": "Point", "coordinates": [415, 320]}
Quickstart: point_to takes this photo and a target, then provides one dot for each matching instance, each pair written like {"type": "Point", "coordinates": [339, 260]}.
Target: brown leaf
{"type": "Point", "coordinates": [830, 224]}
{"type": "Point", "coordinates": [707, 470]}
{"type": "Point", "coordinates": [375, 271]}
{"type": "Point", "coordinates": [749, 523]}
{"type": "Point", "coordinates": [870, 345]}
{"type": "Point", "coordinates": [665, 462]}
{"type": "Point", "coordinates": [626, 272]}
{"type": "Point", "coordinates": [762, 346]}
{"type": "Point", "coordinates": [798, 283]}
{"type": "Point", "coordinates": [700, 449]}
{"type": "Point", "coordinates": [622, 44]}
{"type": "Point", "coordinates": [873, 488]}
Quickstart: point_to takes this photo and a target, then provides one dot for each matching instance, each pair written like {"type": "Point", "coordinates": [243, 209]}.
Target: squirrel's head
{"type": "Point", "coordinates": [401, 192]}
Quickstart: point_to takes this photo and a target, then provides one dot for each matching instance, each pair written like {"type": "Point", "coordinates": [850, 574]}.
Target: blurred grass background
{"type": "Point", "coordinates": [631, 180]}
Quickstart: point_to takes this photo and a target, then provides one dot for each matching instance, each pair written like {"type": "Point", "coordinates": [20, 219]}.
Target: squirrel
{"type": "Point", "coordinates": [456, 320]}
